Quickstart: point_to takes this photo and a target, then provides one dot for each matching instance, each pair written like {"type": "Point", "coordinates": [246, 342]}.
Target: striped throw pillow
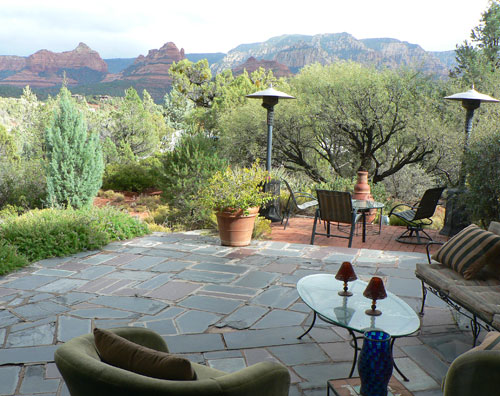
{"type": "Point", "coordinates": [469, 251]}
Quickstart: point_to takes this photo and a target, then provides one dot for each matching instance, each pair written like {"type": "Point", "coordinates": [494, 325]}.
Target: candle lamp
{"type": "Point", "coordinates": [346, 274]}
{"type": "Point", "coordinates": [375, 291]}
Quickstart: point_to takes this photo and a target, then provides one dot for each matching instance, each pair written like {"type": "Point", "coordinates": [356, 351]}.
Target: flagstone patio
{"type": "Point", "coordinates": [224, 307]}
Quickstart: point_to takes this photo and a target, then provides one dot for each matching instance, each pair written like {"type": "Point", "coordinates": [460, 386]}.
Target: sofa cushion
{"type": "Point", "coordinates": [490, 343]}
{"type": "Point", "coordinates": [481, 300]}
{"type": "Point", "coordinates": [438, 276]}
{"type": "Point", "coordinates": [468, 251]}
{"type": "Point", "coordinates": [125, 354]}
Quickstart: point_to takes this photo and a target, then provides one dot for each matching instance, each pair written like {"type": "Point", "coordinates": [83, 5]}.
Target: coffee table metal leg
{"type": "Point", "coordinates": [394, 362]}
{"type": "Point", "coordinates": [355, 346]}
{"type": "Point", "coordinates": [310, 327]}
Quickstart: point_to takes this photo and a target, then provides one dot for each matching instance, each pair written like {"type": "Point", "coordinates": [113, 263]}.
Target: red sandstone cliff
{"type": "Point", "coordinates": [46, 68]}
{"type": "Point", "coordinates": [153, 68]}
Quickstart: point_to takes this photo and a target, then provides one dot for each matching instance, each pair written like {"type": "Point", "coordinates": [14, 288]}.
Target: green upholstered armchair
{"type": "Point", "coordinates": [86, 375]}
{"type": "Point", "coordinates": [473, 373]}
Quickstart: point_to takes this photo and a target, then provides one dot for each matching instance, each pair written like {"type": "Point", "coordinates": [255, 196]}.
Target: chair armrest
{"type": "Point", "coordinates": [474, 373]}
{"type": "Point", "coordinates": [427, 249]}
{"type": "Point", "coordinates": [397, 206]}
{"type": "Point", "coordinates": [263, 379]}
{"type": "Point", "coordinates": [304, 195]}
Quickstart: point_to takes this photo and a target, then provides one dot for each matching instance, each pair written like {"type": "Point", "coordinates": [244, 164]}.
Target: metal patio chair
{"type": "Point", "coordinates": [418, 216]}
{"type": "Point", "coordinates": [292, 202]}
{"type": "Point", "coordinates": [335, 207]}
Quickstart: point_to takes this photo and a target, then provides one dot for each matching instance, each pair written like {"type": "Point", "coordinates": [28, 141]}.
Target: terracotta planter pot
{"type": "Point", "coordinates": [235, 228]}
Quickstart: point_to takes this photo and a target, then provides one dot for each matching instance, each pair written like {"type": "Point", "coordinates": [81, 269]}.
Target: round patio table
{"type": "Point", "coordinates": [320, 293]}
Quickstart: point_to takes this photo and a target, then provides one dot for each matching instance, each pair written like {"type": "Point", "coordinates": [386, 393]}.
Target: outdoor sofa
{"type": "Point", "coordinates": [465, 273]}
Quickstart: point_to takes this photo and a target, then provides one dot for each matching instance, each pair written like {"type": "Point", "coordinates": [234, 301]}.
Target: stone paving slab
{"type": "Point", "coordinates": [224, 307]}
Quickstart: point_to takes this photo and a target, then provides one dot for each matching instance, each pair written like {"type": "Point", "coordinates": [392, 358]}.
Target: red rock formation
{"type": "Point", "coordinates": [153, 68]}
{"type": "Point", "coordinates": [45, 68]}
{"type": "Point", "coordinates": [51, 62]}
{"type": "Point", "coordinates": [252, 64]}
{"type": "Point", "coordinates": [12, 63]}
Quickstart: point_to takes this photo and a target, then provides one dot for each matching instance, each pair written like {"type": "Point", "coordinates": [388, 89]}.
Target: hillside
{"type": "Point", "coordinates": [296, 51]}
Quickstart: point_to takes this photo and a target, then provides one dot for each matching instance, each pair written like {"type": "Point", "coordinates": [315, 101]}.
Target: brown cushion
{"type": "Point", "coordinates": [469, 250]}
{"type": "Point", "coordinates": [125, 354]}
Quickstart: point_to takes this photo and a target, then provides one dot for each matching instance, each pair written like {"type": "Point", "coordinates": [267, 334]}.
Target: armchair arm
{"type": "Point", "coordinates": [427, 249]}
{"type": "Point", "coordinates": [474, 373]}
{"type": "Point", "coordinates": [397, 206]}
{"type": "Point", "coordinates": [302, 194]}
{"type": "Point", "coordinates": [263, 379]}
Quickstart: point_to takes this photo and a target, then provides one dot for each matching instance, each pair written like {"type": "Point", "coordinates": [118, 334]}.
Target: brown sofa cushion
{"type": "Point", "coordinates": [469, 251]}
{"type": "Point", "coordinates": [125, 354]}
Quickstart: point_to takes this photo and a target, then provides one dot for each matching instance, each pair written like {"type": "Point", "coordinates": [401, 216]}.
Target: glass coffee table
{"type": "Point", "coordinates": [320, 293]}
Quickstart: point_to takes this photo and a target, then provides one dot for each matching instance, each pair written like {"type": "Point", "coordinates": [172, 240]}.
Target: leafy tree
{"type": "Point", "coordinates": [74, 157]}
{"type": "Point", "coordinates": [137, 125]}
{"type": "Point", "coordinates": [483, 182]}
{"type": "Point", "coordinates": [346, 117]}
{"type": "Point", "coordinates": [481, 56]}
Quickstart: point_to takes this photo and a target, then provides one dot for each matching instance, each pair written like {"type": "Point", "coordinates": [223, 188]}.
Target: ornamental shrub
{"type": "Point", "coordinates": [41, 234]}
{"type": "Point", "coordinates": [10, 259]}
{"type": "Point", "coordinates": [185, 170]}
{"type": "Point", "coordinates": [74, 157]}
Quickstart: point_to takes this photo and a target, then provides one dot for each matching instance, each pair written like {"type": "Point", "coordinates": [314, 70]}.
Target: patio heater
{"type": "Point", "coordinates": [270, 98]}
{"type": "Point", "coordinates": [456, 216]}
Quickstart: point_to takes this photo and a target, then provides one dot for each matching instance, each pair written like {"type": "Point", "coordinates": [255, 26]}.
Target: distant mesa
{"type": "Point", "coordinates": [252, 64]}
{"type": "Point", "coordinates": [46, 68]}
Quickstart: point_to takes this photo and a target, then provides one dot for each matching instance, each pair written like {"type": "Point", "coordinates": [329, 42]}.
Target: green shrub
{"type": "Point", "coordinates": [261, 228]}
{"type": "Point", "coordinates": [185, 171]}
{"type": "Point", "coordinates": [22, 184]}
{"type": "Point", "coordinates": [10, 258]}
{"type": "Point", "coordinates": [118, 197]}
{"type": "Point", "coordinates": [136, 176]}
{"type": "Point", "coordinates": [40, 234]}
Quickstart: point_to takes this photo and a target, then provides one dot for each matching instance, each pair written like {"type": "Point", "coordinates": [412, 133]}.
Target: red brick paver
{"type": "Point", "coordinates": [299, 231]}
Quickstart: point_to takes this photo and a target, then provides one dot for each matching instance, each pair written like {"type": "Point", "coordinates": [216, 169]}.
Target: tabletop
{"type": "Point", "coordinates": [320, 293]}
{"type": "Point", "coordinates": [362, 204]}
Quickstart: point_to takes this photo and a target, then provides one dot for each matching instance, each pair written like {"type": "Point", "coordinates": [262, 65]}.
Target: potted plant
{"type": "Point", "coordinates": [236, 196]}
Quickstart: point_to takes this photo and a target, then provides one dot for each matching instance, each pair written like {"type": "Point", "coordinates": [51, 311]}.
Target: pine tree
{"type": "Point", "coordinates": [74, 157]}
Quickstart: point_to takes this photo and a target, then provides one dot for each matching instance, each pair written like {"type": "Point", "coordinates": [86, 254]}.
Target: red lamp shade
{"type": "Point", "coordinates": [375, 289]}
{"type": "Point", "coordinates": [346, 272]}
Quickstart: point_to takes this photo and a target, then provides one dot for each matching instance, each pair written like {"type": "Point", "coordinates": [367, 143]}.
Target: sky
{"type": "Point", "coordinates": [126, 29]}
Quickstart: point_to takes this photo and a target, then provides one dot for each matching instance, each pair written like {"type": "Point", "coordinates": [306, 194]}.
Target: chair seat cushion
{"type": "Point", "coordinates": [469, 251]}
{"type": "Point", "coordinates": [306, 205]}
{"type": "Point", "coordinates": [125, 354]}
{"type": "Point", "coordinates": [407, 215]}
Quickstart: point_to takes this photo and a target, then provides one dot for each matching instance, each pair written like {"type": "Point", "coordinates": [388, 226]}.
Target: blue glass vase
{"type": "Point", "coordinates": [375, 363]}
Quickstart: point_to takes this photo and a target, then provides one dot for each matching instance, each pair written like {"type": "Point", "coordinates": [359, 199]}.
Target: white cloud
{"type": "Point", "coordinates": [128, 28]}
